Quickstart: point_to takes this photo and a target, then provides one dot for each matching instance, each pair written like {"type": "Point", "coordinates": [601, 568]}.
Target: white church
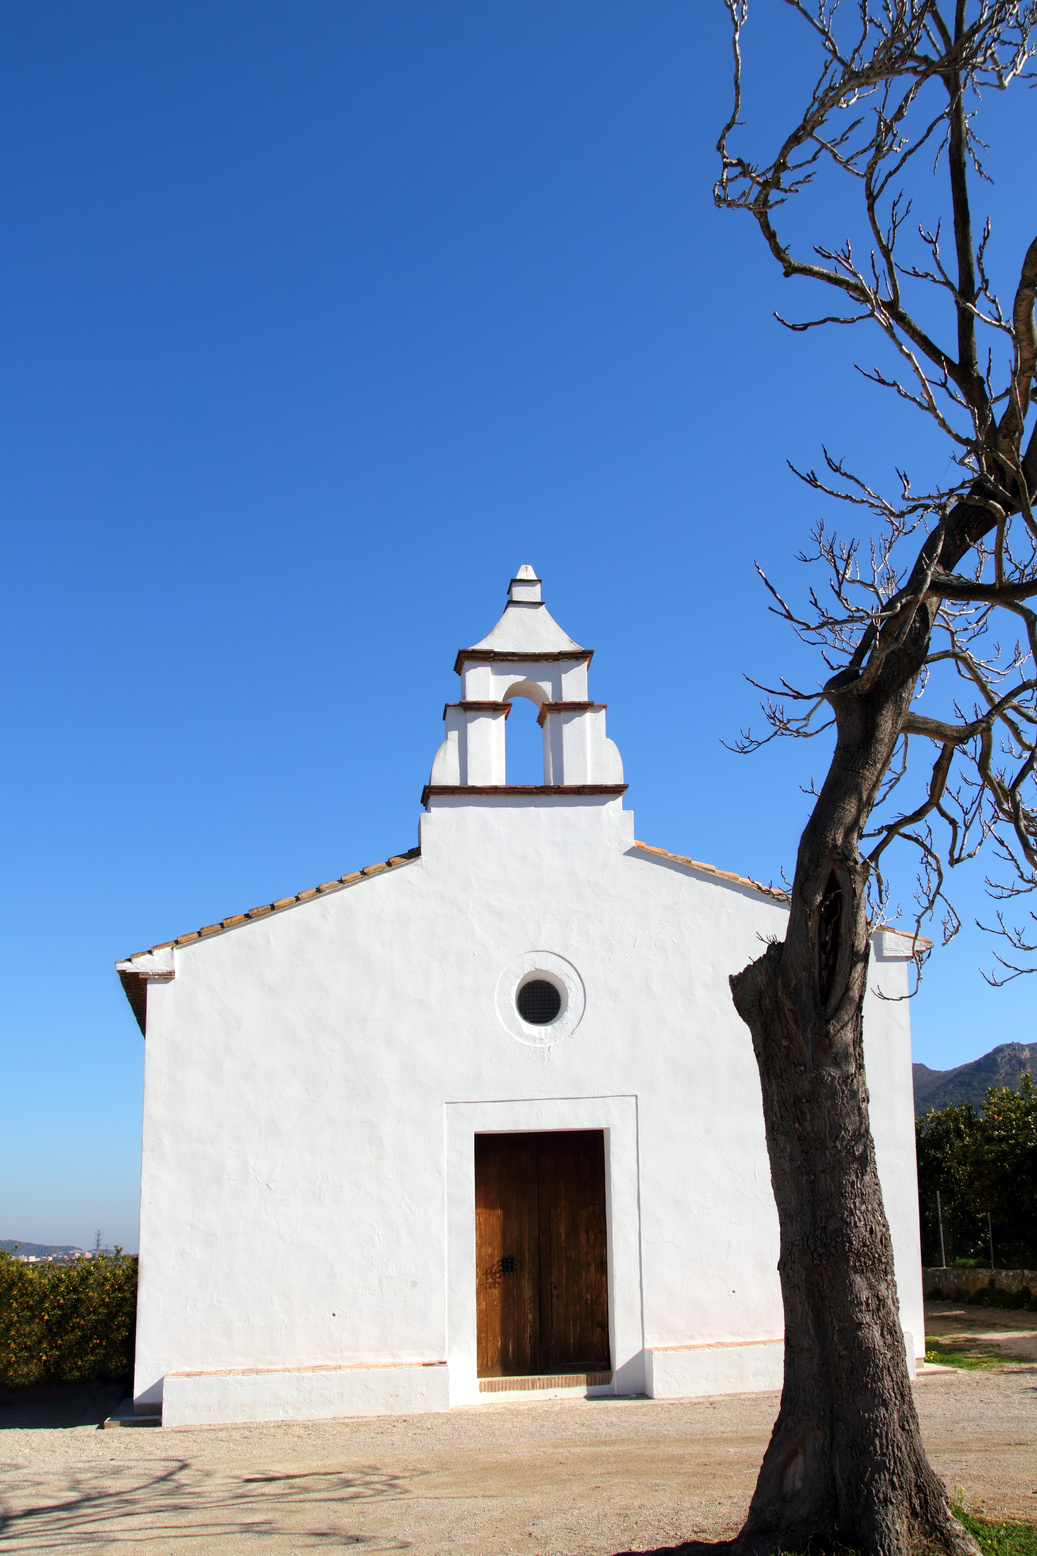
{"type": "Point", "coordinates": [479, 1119]}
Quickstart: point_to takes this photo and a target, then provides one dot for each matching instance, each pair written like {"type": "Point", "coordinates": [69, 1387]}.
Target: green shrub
{"type": "Point", "coordinates": [983, 1164]}
{"type": "Point", "coordinates": [67, 1322]}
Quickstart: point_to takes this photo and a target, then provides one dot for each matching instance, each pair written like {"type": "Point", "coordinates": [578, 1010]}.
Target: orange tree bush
{"type": "Point", "coordinates": [983, 1162]}
{"type": "Point", "coordinates": [66, 1322]}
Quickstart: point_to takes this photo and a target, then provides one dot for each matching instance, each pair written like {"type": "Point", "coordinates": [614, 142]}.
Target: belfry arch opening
{"type": "Point", "coordinates": [523, 736]}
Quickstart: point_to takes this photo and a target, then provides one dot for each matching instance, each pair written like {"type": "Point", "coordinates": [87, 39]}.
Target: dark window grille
{"type": "Point", "coordinates": [538, 1002]}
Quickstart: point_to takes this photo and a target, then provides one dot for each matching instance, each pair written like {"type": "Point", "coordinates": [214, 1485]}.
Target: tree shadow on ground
{"type": "Point", "coordinates": [168, 1502]}
{"type": "Point", "coordinates": [70, 1404]}
{"type": "Point", "coordinates": [689, 1548]}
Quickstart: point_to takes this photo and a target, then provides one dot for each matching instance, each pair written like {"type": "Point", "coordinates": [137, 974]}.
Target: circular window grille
{"type": "Point", "coordinates": [538, 1002]}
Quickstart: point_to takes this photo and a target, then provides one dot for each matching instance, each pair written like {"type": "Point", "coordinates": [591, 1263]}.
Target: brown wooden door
{"type": "Point", "coordinates": [541, 1262]}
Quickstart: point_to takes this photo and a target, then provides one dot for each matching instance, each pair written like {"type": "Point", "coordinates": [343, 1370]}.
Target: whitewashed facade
{"type": "Point", "coordinates": [317, 1072]}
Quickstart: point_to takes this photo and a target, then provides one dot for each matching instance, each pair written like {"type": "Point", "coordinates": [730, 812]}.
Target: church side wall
{"type": "Point", "coordinates": [887, 1060]}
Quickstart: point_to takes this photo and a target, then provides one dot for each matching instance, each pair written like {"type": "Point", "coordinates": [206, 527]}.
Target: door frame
{"type": "Point", "coordinates": [617, 1118]}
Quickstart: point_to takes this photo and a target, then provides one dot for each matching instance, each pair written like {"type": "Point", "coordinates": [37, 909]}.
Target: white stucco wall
{"type": "Point", "coordinates": [314, 1080]}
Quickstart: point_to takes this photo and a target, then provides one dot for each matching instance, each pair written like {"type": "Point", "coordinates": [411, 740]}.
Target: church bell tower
{"type": "Point", "coordinates": [526, 655]}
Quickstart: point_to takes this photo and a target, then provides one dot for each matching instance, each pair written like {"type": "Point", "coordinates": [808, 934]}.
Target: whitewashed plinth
{"type": "Point", "coordinates": [306, 1394]}
{"type": "Point", "coordinates": [730, 1367]}
{"type": "Point", "coordinates": [684, 1371]}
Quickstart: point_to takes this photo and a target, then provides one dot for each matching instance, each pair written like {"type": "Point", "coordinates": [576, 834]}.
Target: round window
{"type": "Point", "coordinates": [540, 999]}
{"type": "Point", "coordinates": [538, 1002]}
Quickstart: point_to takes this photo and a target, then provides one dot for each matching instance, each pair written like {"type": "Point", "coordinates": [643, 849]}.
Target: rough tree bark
{"type": "Point", "coordinates": [845, 1463]}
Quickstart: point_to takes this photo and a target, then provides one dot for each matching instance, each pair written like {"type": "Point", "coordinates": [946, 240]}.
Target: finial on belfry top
{"type": "Point", "coordinates": [524, 588]}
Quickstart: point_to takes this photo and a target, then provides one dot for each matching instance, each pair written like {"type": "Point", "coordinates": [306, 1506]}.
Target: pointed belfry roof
{"type": "Point", "coordinates": [527, 626]}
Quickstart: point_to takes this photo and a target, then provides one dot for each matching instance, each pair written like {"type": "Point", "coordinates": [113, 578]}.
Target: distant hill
{"type": "Point", "coordinates": [39, 1250]}
{"type": "Point", "coordinates": [1002, 1066]}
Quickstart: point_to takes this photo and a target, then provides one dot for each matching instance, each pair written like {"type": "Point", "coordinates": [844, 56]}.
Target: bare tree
{"type": "Point", "coordinates": [911, 612]}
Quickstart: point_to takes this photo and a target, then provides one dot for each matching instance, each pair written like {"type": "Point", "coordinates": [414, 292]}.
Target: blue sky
{"type": "Point", "coordinates": [318, 321]}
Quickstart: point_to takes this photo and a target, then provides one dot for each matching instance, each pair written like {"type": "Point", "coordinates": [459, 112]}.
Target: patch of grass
{"type": "Point", "coordinates": [1012, 1538]}
{"type": "Point", "coordinates": [969, 1354]}
{"type": "Point", "coordinates": [994, 1539]}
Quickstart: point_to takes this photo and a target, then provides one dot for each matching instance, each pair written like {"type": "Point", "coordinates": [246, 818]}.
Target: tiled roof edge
{"type": "Point", "coordinates": [919, 941]}
{"type": "Point", "coordinates": [413, 853]}
{"type": "Point", "coordinates": [283, 902]}
{"type": "Point", "coordinates": [772, 891]}
{"type": "Point", "coordinates": [711, 869]}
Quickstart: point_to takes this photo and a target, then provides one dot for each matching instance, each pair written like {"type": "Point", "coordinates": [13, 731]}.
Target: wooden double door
{"type": "Point", "coordinates": [541, 1256]}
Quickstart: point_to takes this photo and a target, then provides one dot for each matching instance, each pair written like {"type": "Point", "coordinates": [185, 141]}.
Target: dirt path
{"type": "Point", "coordinates": [558, 1478]}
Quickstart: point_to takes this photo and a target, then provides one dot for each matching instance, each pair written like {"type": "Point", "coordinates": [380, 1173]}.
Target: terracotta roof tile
{"type": "Point", "coordinates": [284, 902]}
{"type": "Point", "coordinates": [711, 869]}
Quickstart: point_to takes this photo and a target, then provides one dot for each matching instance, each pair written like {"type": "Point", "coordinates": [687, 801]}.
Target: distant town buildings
{"type": "Point", "coordinates": [42, 1253]}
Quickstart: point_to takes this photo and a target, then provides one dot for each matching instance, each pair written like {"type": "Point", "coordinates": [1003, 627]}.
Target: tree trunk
{"type": "Point", "coordinates": [845, 1464]}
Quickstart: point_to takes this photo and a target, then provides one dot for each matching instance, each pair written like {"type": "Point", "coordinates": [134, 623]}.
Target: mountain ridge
{"type": "Point", "coordinates": [1002, 1066]}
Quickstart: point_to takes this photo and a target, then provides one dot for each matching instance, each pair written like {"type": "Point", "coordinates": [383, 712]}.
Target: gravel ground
{"type": "Point", "coordinates": [548, 1478]}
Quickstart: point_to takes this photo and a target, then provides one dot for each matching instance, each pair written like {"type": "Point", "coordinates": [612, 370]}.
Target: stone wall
{"type": "Point", "coordinates": [978, 1285]}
